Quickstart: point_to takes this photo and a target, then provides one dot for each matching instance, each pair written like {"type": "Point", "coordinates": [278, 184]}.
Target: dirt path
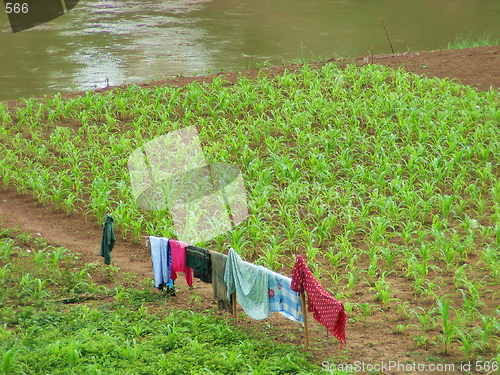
{"type": "Point", "coordinates": [69, 230]}
{"type": "Point", "coordinates": [74, 232]}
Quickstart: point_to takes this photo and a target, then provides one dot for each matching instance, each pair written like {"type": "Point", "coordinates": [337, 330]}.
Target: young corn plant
{"type": "Point", "coordinates": [5, 273]}
{"type": "Point", "coordinates": [10, 364]}
{"type": "Point", "coordinates": [373, 269]}
{"type": "Point", "coordinates": [404, 310]}
{"type": "Point", "coordinates": [352, 279]}
{"type": "Point", "coordinates": [488, 329]}
{"type": "Point", "coordinates": [448, 325]}
{"type": "Point", "coordinates": [367, 310]}
{"type": "Point", "coordinates": [6, 247]}
{"type": "Point", "coordinates": [383, 292]}
{"type": "Point", "coordinates": [466, 340]}
{"type": "Point", "coordinates": [271, 257]}
{"type": "Point", "coordinates": [39, 257]}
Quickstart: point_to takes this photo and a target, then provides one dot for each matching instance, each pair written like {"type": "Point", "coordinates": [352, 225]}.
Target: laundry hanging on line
{"type": "Point", "coordinates": [161, 259]}
{"type": "Point", "coordinates": [199, 260]}
{"type": "Point", "coordinates": [261, 291]}
{"type": "Point", "coordinates": [250, 283]}
{"type": "Point", "coordinates": [178, 250]}
{"type": "Point", "coordinates": [283, 299]}
{"type": "Point", "coordinates": [325, 308]}
{"type": "Point", "coordinates": [219, 288]}
{"type": "Point", "coordinates": [257, 289]}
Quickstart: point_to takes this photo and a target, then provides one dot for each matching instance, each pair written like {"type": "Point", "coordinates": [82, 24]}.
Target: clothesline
{"type": "Point", "coordinates": [256, 289]}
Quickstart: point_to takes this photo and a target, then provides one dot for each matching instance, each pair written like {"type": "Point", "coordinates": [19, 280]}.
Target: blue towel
{"type": "Point", "coordinates": [283, 299]}
{"type": "Point", "coordinates": [161, 259]}
{"type": "Point", "coordinates": [250, 283]}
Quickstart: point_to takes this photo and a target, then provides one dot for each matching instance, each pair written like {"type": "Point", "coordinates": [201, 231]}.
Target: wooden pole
{"type": "Point", "coordinates": [304, 313]}
{"type": "Point", "coordinates": [387, 34]}
{"type": "Point", "coordinates": [233, 303]}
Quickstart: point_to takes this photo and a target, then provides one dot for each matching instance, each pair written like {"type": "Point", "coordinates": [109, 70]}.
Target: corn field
{"type": "Point", "coordinates": [380, 178]}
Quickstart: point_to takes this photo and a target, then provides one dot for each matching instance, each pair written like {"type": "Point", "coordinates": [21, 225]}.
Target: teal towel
{"type": "Point", "coordinates": [250, 283]}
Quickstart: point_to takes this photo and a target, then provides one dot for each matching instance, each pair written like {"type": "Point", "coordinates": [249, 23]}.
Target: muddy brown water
{"type": "Point", "coordinates": [113, 42]}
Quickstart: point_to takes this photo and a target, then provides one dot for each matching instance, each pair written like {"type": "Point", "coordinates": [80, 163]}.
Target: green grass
{"type": "Point", "coordinates": [471, 41]}
{"type": "Point", "coordinates": [54, 319]}
{"type": "Point", "coordinates": [381, 178]}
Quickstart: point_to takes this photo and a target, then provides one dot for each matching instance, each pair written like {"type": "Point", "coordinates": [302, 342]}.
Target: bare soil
{"type": "Point", "coordinates": [370, 342]}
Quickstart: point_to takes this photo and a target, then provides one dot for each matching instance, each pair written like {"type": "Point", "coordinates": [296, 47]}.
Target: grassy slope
{"type": "Point", "coordinates": [471, 41]}
{"type": "Point", "coordinates": [379, 177]}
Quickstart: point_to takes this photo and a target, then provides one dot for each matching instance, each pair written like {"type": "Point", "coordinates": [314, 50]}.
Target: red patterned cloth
{"type": "Point", "coordinates": [326, 309]}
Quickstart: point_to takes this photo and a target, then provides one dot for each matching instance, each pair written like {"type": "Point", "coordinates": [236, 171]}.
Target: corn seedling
{"type": "Point", "coordinates": [447, 324]}
{"type": "Point", "coordinates": [366, 310]}
{"type": "Point", "coordinates": [6, 246]}
{"type": "Point", "coordinates": [4, 273]}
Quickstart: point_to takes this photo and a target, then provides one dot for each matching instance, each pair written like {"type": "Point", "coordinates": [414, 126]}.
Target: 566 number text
{"type": "Point", "coordinates": [16, 8]}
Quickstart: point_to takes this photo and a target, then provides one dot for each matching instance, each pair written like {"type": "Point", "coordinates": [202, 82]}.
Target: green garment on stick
{"type": "Point", "coordinates": [108, 239]}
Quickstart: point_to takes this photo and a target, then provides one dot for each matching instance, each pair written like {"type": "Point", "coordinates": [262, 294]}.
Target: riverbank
{"type": "Point", "coordinates": [476, 67]}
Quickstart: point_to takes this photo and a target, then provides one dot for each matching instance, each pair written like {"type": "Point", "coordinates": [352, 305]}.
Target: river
{"type": "Point", "coordinates": [117, 42]}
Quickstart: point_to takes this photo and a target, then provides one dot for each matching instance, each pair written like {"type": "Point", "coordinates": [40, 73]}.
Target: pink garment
{"type": "Point", "coordinates": [326, 309]}
{"type": "Point", "coordinates": [178, 251]}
